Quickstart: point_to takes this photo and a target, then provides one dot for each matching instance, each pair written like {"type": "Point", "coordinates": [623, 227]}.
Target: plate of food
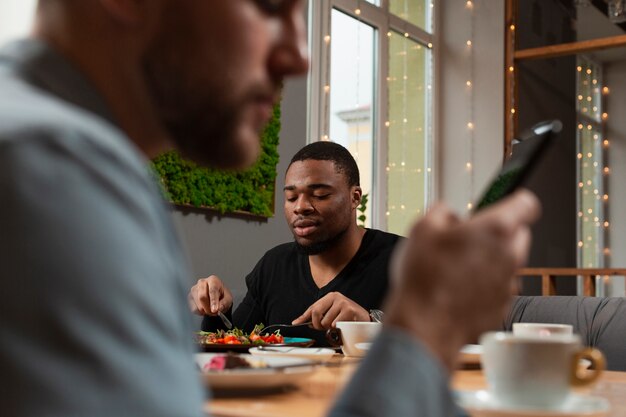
{"type": "Point", "coordinates": [233, 371]}
{"type": "Point", "coordinates": [240, 341]}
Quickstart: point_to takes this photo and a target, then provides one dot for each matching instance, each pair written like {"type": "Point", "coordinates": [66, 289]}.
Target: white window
{"type": "Point", "coordinates": [16, 18]}
{"type": "Point", "coordinates": [371, 90]}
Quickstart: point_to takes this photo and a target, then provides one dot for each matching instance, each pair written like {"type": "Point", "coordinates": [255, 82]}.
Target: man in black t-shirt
{"type": "Point", "coordinates": [333, 271]}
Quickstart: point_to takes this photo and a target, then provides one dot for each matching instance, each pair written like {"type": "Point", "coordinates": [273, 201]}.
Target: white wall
{"type": "Point", "coordinates": [15, 18]}
{"type": "Point", "coordinates": [454, 100]}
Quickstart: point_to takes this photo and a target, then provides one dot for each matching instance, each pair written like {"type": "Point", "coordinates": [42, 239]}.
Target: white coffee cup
{"type": "Point", "coordinates": [541, 329]}
{"type": "Point", "coordinates": [349, 334]}
{"type": "Point", "coordinates": [533, 371]}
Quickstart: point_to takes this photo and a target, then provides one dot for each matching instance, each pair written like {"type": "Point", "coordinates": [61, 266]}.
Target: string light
{"type": "Point", "coordinates": [470, 96]}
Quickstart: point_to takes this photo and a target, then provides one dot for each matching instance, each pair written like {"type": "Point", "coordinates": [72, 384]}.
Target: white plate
{"type": "Point", "coordinates": [314, 354]}
{"type": "Point", "coordinates": [481, 404]}
{"type": "Point", "coordinates": [291, 371]}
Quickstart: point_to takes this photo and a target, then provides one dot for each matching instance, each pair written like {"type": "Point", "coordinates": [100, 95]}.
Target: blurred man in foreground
{"type": "Point", "coordinates": [93, 312]}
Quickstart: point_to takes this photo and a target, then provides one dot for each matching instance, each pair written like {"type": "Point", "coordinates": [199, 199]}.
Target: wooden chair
{"type": "Point", "coordinates": [548, 277]}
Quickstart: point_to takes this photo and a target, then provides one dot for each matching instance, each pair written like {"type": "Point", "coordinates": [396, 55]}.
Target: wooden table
{"type": "Point", "coordinates": [314, 396]}
{"type": "Point", "coordinates": [311, 398]}
{"type": "Point", "coordinates": [611, 385]}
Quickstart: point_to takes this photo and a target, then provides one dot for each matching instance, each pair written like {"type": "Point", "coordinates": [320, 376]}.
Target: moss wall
{"type": "Point", "coordinates": [250, 191]}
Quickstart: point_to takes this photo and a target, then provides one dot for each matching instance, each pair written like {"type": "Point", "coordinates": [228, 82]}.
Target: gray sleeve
{"type": "Point", "coordinates": [93, 315]}
{"type": "Point", "coordinates": [397, 378]}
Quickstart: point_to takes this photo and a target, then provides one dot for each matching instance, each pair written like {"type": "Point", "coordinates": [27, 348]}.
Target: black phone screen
{"type": "Point", "coordinates": [527, 151]}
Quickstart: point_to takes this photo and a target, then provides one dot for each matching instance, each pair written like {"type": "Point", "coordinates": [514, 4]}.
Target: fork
{"type": "Point", "coordinates": [284, 326]}
{"type": "Point", "coordinates": [225, 320]}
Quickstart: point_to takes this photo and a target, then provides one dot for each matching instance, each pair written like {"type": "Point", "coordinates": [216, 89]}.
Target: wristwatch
{"type": "Point", "coordinates": [376, 316]}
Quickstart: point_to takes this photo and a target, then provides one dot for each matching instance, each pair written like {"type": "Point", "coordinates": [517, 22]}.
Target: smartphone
{"type": "Point", "coordinates": [528, 149]}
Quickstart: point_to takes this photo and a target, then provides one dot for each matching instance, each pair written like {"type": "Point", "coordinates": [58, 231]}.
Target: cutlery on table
{"type": "Point", "coordinates": [263, 330]}
{"type": "Point", "coordinates": [225, 320]}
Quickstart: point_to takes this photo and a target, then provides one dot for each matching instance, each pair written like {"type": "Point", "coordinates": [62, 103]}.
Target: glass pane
{"type": "Point", "coordinates": [589, 84]}
{"type": "Point", "coordinates": [375, 2]}
{"type": "Point", "coordinates": [418, 12]}
{"type": "Point", "coordinates": [351, 95]}
{"type": "Point", "coordinates": [591, 189]}
{"type": "Point", "coordinates": [591, 215]}
{"type": "Point", "coordinates": [409, 130]}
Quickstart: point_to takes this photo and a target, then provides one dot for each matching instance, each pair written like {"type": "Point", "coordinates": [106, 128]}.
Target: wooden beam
{"type": "Point", "coordinates": [548, 284]}
{"type": "Point", "coordinates": [549, 275]}
{"type": "Point", "coordinates": [589, 285]}
{"type": "Point", "coordinates": [510, 96]}
{"type": "Point", "coordinates": [571, 271]}
{"type": "Point", "coordinates": [572, 48]}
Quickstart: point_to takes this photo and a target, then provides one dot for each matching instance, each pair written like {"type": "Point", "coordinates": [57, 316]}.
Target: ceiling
{"type": "Point", "coordinates": [592, 23]}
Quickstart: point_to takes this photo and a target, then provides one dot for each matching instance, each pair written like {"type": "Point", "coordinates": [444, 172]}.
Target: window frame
{"type": "Point", "coordinates": [318, 120]}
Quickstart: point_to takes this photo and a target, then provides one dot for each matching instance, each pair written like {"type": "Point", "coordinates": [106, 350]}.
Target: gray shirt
{"type": "Point", "coordinates": [398, 378]}
{"type": "Point", "coordinates": [93, 313]}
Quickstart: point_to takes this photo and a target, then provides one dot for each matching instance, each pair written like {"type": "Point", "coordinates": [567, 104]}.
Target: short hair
{"type": "Point", "coordinates": [330, 151]}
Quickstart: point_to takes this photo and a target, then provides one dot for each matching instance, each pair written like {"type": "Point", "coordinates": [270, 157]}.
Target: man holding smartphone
{"type": "Point", "coordinates": [93, 312]}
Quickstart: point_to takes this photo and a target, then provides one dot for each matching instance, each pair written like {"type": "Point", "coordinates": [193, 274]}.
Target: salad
{"type": "Point", "coordinates": [239, 337]}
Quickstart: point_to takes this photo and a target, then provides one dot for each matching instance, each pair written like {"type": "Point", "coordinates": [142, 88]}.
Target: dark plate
{"type": "Point", "coordinates": [289, 341]}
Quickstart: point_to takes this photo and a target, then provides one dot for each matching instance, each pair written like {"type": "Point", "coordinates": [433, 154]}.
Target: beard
{"type": "Point", "coordinates": [213, 138]}
{"type": "Point", "coordinates": [323, 245]}
{"type": "Point", "coordinates": [204, 119]}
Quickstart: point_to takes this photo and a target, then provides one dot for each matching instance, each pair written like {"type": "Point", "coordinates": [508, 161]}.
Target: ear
{"type": "Point", "coordinates": [356, 196]}
{"type": "Point", "coordinates": [126, 12]}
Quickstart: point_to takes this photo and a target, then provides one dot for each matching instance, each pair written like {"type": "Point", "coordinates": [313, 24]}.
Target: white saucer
{"type": "Point", "coordinates": [315, 354]}
{"type": "Point", "coordinates": [481, 404]}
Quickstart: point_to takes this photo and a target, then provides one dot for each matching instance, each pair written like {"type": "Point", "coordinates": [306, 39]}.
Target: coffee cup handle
{"type": "Point", "coordinates": [598, 364]}
{"type": "Point", "coordinates": [333, 336]}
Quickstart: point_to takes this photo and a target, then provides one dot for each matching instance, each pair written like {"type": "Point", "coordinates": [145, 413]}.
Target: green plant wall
{"type": "Point", "coordinates": [250, 191]}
